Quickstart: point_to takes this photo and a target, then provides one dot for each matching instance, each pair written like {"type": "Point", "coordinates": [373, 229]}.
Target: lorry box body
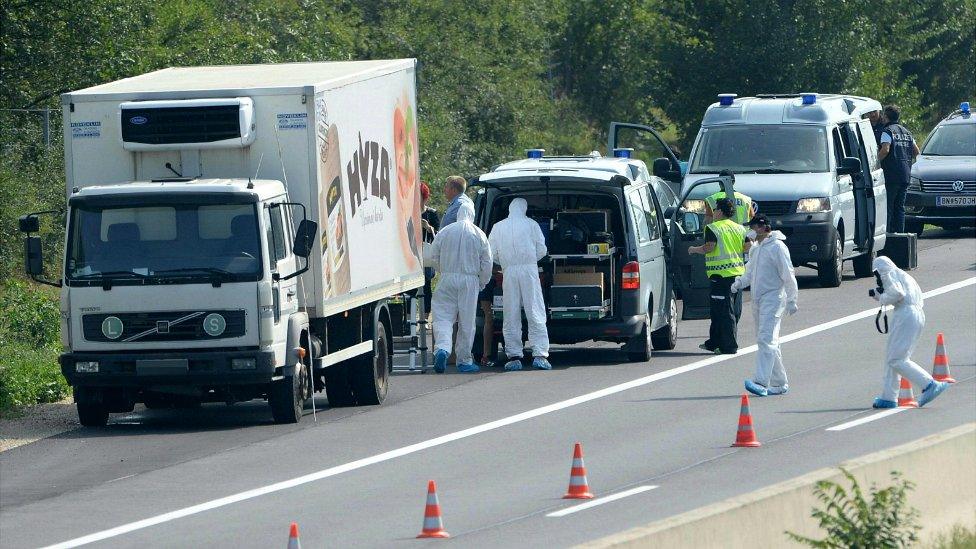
{"type": "Point", "coordinates": [190, 270]}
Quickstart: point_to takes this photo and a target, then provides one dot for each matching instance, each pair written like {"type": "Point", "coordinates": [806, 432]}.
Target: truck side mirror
{"type": "Point", "coordinates": [33, 257]}
{"type": "Point", "coordinates": [305, 238]}
{"type": "Point", "coordinates": [29, 224]}
{"type": "Point", "coordinates": [691, 222]}
{"type": "Point", "coordinates": [849, 166]}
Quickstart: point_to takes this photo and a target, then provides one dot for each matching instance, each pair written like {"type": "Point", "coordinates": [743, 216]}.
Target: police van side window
{"type": "Point", "coordinates": [839, 151]}
{"type": "Point", "coordinates": [640, 221]}
{"type": "Point", "coordinates": [650, 213]}
{"type": "Point", "coordinates": [869, 144]}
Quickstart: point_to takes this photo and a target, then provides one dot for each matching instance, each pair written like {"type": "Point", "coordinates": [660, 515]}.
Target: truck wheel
{"type": "Point", "coordinates": [830, 272]}
{"type": "Point", "coordinates": [666, 337]}
{"type": "Point", "coordinates": [337, 388]}
{"type": "Point", "coordinates": [287, 396]}
{"type": "Point", "coordinates": [369, 375]}
{"type": "Point", "coordinates": [639, 348]}
{"type": "Point", "coordinates": [864, 264]}
{"type": "Point", "coordinates": [91, 410]}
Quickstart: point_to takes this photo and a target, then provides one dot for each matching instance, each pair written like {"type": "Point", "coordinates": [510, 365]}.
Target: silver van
{"type": "Point", "coordinates": [809, 162]}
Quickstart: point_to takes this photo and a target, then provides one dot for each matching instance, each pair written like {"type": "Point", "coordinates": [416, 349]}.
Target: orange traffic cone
{"type": "Point", "coordinates": [433, 525]}
{"type": "Point", "coordinates": [940, 366]}
{"type": "Point", "coordinates": [906, 397]}
{"type": "Point", "coordinates": [293, 541]}
{"type": "Point", "coordinates": [745, 436]}
{"type": "Point", "coordinates": [579, 487]}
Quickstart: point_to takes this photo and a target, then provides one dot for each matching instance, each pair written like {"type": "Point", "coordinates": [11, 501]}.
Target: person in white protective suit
{"type": "Point", "coordinates": [518, 244]}
{"type": "Point", "coordinates": [771, 275]}
{"type": "Point", "coordinates": [461, 254]}
{"type": "Point", "coordinates": [898, 289]}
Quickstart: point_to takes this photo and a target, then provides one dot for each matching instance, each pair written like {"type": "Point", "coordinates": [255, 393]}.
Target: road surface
{"type": "Point", "coordinates": [499, 445]}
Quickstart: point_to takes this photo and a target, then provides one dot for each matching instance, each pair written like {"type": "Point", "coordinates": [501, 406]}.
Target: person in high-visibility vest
{"type": "Point", "coordinates": [724, 251]}
{"type": "Point", "coordinates": [743, 207]}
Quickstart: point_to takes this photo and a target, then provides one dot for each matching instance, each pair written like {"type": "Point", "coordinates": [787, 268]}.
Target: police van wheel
{"type": "Point", "coordinates": [830, 272]}
{"type": "Point", "coordinates": [639, 348]}
{"type": "Point", "coordinates": [665, 338]}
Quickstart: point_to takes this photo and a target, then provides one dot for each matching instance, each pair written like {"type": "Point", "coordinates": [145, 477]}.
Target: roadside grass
{"type": "Point", "coordinates": [29, 347]}
{"type": "Point", "coordinates": [959, 538]}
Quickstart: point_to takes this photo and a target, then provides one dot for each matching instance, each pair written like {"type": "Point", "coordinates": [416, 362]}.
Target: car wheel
{"type": "Point", "coordinates": [665, 338]}
{"type": "Point", "coordinates": [830, 272]}
{"type": "Point", "coordinates": [639, 347]}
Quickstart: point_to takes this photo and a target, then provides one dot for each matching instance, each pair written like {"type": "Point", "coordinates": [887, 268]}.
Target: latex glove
{"type": "Point", "coordinates": [792, 308]}
{"type": "Point", "coordinates": [735, 285]}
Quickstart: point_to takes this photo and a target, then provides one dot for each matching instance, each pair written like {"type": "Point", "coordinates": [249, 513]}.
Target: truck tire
{"type": "Point", "coordinates": [639, 347]}
{"type": "Point", "coordinates": [91, 409]}
{"type": "Point", "coordinates": [337, 388]}
{"type": "Point", "coordinates": [369, 375]}
{"type": "Point", "coordinates": [830, 272]}
{"type": "Point", "coordinates": [287, 396]}
{"type": "Point", "coordinates": [864, 264]}
{"type": "Point", "coordinates": [665, 338]}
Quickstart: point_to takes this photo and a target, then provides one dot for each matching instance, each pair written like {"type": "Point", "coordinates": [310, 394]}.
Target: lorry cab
{"type": "Point", "coordinates": [606, 277]}
{"type": "Point", "coordinates": [809, 162]}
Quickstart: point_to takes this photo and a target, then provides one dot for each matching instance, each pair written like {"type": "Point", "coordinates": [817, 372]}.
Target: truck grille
{"type": "Point", "coordinates": [161, 326]}
{"type": "Point", "coordinates": [773, 207]}
{"type": "Point", "coordinates": [968, 187]}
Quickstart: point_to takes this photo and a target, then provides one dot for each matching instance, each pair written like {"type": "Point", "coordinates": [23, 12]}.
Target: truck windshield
{"type": "Point", "coordinates": [761, 149]}
{"type": "Point", "coordinates": [952, 140]}
{"type": "Point", "coordinates": [163, 243]}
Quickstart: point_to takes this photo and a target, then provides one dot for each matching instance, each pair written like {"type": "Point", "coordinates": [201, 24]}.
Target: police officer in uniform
{"type": "Point", "coordinates": [897, 154]}
{"type": "Point", "coordinates": [743, 204]}
{"type": "Point", "coordinates": [724, 251]}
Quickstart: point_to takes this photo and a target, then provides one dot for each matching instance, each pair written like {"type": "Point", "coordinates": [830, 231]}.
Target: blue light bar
{"type": "Point", "coordinates": [964, 107]}
{"type": "Point", "coordinates": [534, 153]}
{"type": "Point", "coordinates": [726, 98]}
{"type": "Point", "coordinates": [809, 98]}
{"type": "Point", "coordinates": [622, 153]}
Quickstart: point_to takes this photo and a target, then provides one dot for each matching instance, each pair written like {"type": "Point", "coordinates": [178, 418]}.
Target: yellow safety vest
{"type": "Point", "coordinates": [742, 205]}
{"type": "Point", "coordinates": [726, 260]}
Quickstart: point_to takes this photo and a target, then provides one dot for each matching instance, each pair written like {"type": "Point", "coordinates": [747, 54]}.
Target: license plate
{"type": "Point", "coordinates": [955, 201]}
{"type": "Point", "coordinates": [162, 367]}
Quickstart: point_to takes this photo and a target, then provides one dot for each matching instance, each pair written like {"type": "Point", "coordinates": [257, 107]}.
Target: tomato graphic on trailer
{"type": "Point", "coordinates": [406, 151]}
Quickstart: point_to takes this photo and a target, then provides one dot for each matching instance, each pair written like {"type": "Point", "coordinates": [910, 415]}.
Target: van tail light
{"type": "Point", "coordinates": [631, 278]}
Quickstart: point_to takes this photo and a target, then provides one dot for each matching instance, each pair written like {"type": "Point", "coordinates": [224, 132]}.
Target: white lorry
{"type": "Point", "coordinates": [237, 232]}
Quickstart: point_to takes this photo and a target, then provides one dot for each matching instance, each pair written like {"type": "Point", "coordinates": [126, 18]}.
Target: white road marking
{"type": "Point", "coordinates": [867, 419]}
{"type": "Point", "coordinates": [465, 433]}
{"type": "Point", "coordinates": [600, 501]}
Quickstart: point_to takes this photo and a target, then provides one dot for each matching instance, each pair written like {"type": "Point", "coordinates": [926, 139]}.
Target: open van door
{"type": "Point", "coordinates": [648, 146]}
{"type": "Point", "coordinates": [688, 270]}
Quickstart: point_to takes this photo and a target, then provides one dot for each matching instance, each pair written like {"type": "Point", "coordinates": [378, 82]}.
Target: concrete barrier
{"type": "Point", "coordinates": [942, 466]}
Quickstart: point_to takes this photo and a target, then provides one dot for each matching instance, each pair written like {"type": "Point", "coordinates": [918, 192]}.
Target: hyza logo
{"type": "Point", "coordinates": [958, 186]}
{"type": "Point", "coordinates": [369, 173]}
{"type": "Point", "coordinates": [112, 327]}
{"type": "Point", "coordinates": [214, 324]}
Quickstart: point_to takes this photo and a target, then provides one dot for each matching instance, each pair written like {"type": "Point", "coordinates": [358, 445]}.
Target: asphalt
{"type": "Point", "coordinates": [498, 444]}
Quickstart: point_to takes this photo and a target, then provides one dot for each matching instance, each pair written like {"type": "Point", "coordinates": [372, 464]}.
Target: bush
{"type": "Point", "coordinates": [29, 346]}
{"type": "Point", "coordinates": [30, 376]}
{"type": "Point", "coordinates": [30, 315]}
{"type": "Point", "coordinates": [853, 521]}
{"type": "Point", "coordinates": [959, 538]}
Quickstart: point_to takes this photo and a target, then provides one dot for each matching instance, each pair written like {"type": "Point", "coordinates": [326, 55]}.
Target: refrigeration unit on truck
{"type": "Point", "coordinates": [237, 233]}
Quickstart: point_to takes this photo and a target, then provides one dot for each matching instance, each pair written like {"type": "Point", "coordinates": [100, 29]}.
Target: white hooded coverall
{"type": "Point", "coordinates": [461, 254]}
{"type": "Point", "coordinates": [907, 321]}
{"type": "Point", "coordinates": [518, 244]}
{"type": "Point", "coordinates": [770, 273]}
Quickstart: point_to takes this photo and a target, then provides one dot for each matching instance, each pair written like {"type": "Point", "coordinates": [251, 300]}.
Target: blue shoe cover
{"type": "Point", "coordinates": [440, 361]}
{"type": "Point", "coordinates": [933, 390]}
{"type": "Point", "coordinates": [513, 365]}
{"type": "Point", "coordinates": [756, 388]}
{"type": "Point", "coordinates": [881, 403]}
{"type": "Point", "coordinates": [468, 368]}
{"type": "Point", "coordinates": [778, 390]}
{"type": "Point", "coordinates": [540, 363]}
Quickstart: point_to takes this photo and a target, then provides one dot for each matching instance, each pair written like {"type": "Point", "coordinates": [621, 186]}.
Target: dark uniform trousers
{"type": "Point", "coordinates": [726, 309]}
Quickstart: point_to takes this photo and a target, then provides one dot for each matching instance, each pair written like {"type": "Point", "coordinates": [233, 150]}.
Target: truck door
{"type": "Point", "coordinates": [688, 270]}
{"type": "Point", "coordinates": [648, 146]}
{"type": "Point", "coordinates": [282, 262]}
{"type": "Point", "coordinates": [864, 220]}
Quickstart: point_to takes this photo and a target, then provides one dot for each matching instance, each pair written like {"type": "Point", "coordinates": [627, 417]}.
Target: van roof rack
{"type": "Point", "coordinates": [777, 95]}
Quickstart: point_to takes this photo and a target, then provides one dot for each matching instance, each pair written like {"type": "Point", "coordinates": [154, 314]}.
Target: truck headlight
{"type": "Point", "coordinates": [914, 184]}
{"type": "Point", "coordinates": [695, 206]}
{"type": "Point", "coordinates": [813, 205]}
{"type": "Point", "coordinates": [87, 367]}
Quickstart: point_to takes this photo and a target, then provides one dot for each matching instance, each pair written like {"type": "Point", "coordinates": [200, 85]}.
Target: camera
{"type": "Point", "coordinates": [871, 292]}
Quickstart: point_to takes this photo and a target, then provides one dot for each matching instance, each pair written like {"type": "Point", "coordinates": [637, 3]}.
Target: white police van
{"type": "Point", "coordinates": [809, 162]}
